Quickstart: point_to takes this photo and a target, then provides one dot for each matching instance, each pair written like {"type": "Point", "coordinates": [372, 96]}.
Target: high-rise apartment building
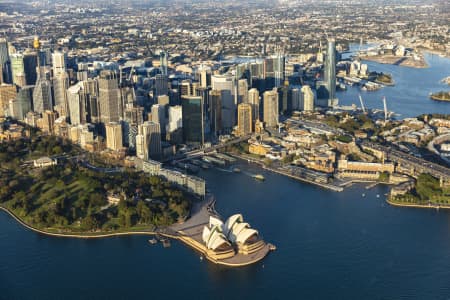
{"type": "Point", "coordinates": [270, 105]}
{"type": "Point", "coordinates": [148, 141]}
{"type": "Point", "coordinates": [114, 140]}
{"type": "Point", "coordinates": [244, 119]}
{"type": "Point", "coordinates": [109, 97]}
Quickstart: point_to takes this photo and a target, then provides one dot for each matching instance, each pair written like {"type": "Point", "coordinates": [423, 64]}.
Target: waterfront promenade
{"type": "Point", "coordinates": [284, 172]}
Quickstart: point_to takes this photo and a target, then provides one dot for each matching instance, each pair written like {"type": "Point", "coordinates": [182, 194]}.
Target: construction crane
{"type": "Point", "coordinates": [362, 104]}
{"type": "Point", "coordinates": [385, 109]}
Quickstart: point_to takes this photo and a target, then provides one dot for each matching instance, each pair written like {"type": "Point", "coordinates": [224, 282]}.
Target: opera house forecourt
{"type": "Point", "coordinates": [233, 243]}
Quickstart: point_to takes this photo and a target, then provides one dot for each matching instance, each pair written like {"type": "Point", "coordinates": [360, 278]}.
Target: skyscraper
{"type": "Point", "coordinates": [253, 100]}
{"type": "Point", "coordinates": [270, 116]}
{"type": "Point", "coordinates": [161, 85]}
{"type": "Point", "coordinates": [25, 98]}
{"type": "Point", "coordinates": [18, 69]}
{"type": "Point", "coordinates": [114, 136]}
{"type": "Point", "coordinates": [7, 92]}
{"type": "Point", "coordinates": [215, 112]}
{"type": "Point", "coordinates": [193, 116]}
{"type": "Point", "coordinates": [159, 116]}
{"type": "Point", "coordinates": [295, 98]}
{"type": "Point", "coordinates": [60, 86]}
{"type": "Point", "coordinates": [244, 119]}
{"type": "Point", "coordinates": [308, 98]}
{"type": "Point", "coordinates": [58, 63]}
{"type": "Point", "coordinates": [330, 73]}
{"type": "Point", "coordinates": [42, 93]}
{"type": "Point", "coordinates": [148, 141]}
{"type": "Point", "coordinates": [109, 97]}
{"type": "Point", "coordinates": [76, 104]}
{"type": "Point", "coordinates": [5, 72]}
{"type": "Point", "coordinates": [225, 84]}
{"type": "Point", "coordinates": [163, 60]}
{"type": "Point", "coordinates": [242, 91]}
{"type": "Point", "coordinates": [30, 63]}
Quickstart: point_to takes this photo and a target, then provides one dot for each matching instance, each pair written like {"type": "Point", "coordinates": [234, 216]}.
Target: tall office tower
{"type": "Point", "coordinates": [76, 103]}
{"type": "Point", "coordinates": [5, 72]}
{"type": "Point", "coordinates": [222, 82]}
{"type": "Point", "coordinates": [7, 92]}
{"type": "Point", "coordinates": [161, 85]}
{"type": "Point", "coordinates": [205, 76]}
{"type": "Point", "coordinates": [109, 97]}
{"type": "Point", "coordinates": [195, 86]}
{"type": "Point", "coordinates": [278, 69]}
{"type": "Point", "coordinates": [225, 84]}
{"type": "Point", "coordinates": [148, 141]}
{"type": "Point", "coordinates": [330, 73]}
{"type": "Point", "coordinates": [244, 119]}
{"type": "Point", "coordinates": [15, 109]}
{"type": "Point", "coordinates": [60, 86]}
{"type": "Point", "coordinates": [283, 105]}
{"type": "Point", "coordinates": [159, 116]}
{"type": "Point", "coordinates": [185, 88]}
{"type": "Point", "coordinates": [174, 97]}
{"type": "Point", "coordinates": [134, 115]}
{"type": "Point", "coordinates": [18, 69]}
{"type": "Point", "coordinates": [308, 98]}
{"type": "Point", "coordinates": [296, 100]}
{"type": "Point", "coordinates": [215, 112]}
{"type": "Point", "coordinates": [257, 70]}
{"type": "Point", "coordinates": [274, 71]}
{"type": "Point", "coordinates": [253, 100]}
{"type": "Point", "coordinates": [25, 98]}
{"type": "Point", "coordinates": [42, 93]}
{"type": "Point", "coordinates": [242, 91]}
{"type": "Point", "coordinates": [164, 62]}
{"type": "Point", "coordinates": [58, 63]}
{"type": "Point", "coordinates": [48, 121]}
{"type": "Point", "coordinates": [175, 118]}
{"type": "Point", "coordinates": [90, 88]}
{"type": "Point", "coordinates": [45, 57]}
{"type": "Point", "coordinates": [128, 96]}
{"type": "Point", "coordinates": [174, 127]}
{"type": "Point", "coordinates": [270, 115]}
{"type": "Point", "coordinates": [30, 64]}
{"type": "Point", "coordinates": [114, 139]}
{"type": "Point", "coordinates": [193, 117]}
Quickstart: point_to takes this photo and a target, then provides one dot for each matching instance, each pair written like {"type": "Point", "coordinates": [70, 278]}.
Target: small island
{"type": "Point", "coordinates": [385, 79]}
{"type": "Point", "coordinates": [440, 96]}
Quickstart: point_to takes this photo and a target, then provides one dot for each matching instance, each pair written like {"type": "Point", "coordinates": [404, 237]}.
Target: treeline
{"type": "Point", "coordinates": [71, 198]}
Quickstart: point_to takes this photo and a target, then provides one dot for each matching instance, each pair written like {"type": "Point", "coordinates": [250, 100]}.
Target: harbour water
{"type": "Point", "coordinates": [410, 95]}
{"type": "Point", "coordinates": [329, 245]}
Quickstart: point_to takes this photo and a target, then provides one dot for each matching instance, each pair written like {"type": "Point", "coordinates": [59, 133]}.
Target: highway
{"type": "Point", "coordinates": [419, 164]}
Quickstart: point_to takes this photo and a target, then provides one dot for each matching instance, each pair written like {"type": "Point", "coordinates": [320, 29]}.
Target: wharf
{"type": "Point", "coordinates": [285, 173]}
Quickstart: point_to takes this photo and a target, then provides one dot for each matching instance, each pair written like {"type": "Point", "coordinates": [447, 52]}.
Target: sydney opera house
{"type": "Point", "coordinates": [232, 238]}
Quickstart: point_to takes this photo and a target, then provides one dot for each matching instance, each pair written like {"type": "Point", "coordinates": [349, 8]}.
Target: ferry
{"type": "Point", "coordinates": [259, 177]}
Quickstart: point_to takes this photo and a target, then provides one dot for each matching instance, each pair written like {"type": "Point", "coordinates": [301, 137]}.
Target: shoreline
{"type": "Point", "coordinates": [79, 235]}
{"type": "Point", "coordinates": [416, 205]}
{"type": "Point", "coordinates": [179, 235]}
{"type": "Point", "coordinates": [397, 61]}
{"type": "Point", "coordinates": [334, 188]}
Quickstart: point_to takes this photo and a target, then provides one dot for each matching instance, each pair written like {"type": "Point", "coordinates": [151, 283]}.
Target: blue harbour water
{"type": "Point", "coordinates": [410, 95]}
{"type": "Point", "coordinates": [329, 245]}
